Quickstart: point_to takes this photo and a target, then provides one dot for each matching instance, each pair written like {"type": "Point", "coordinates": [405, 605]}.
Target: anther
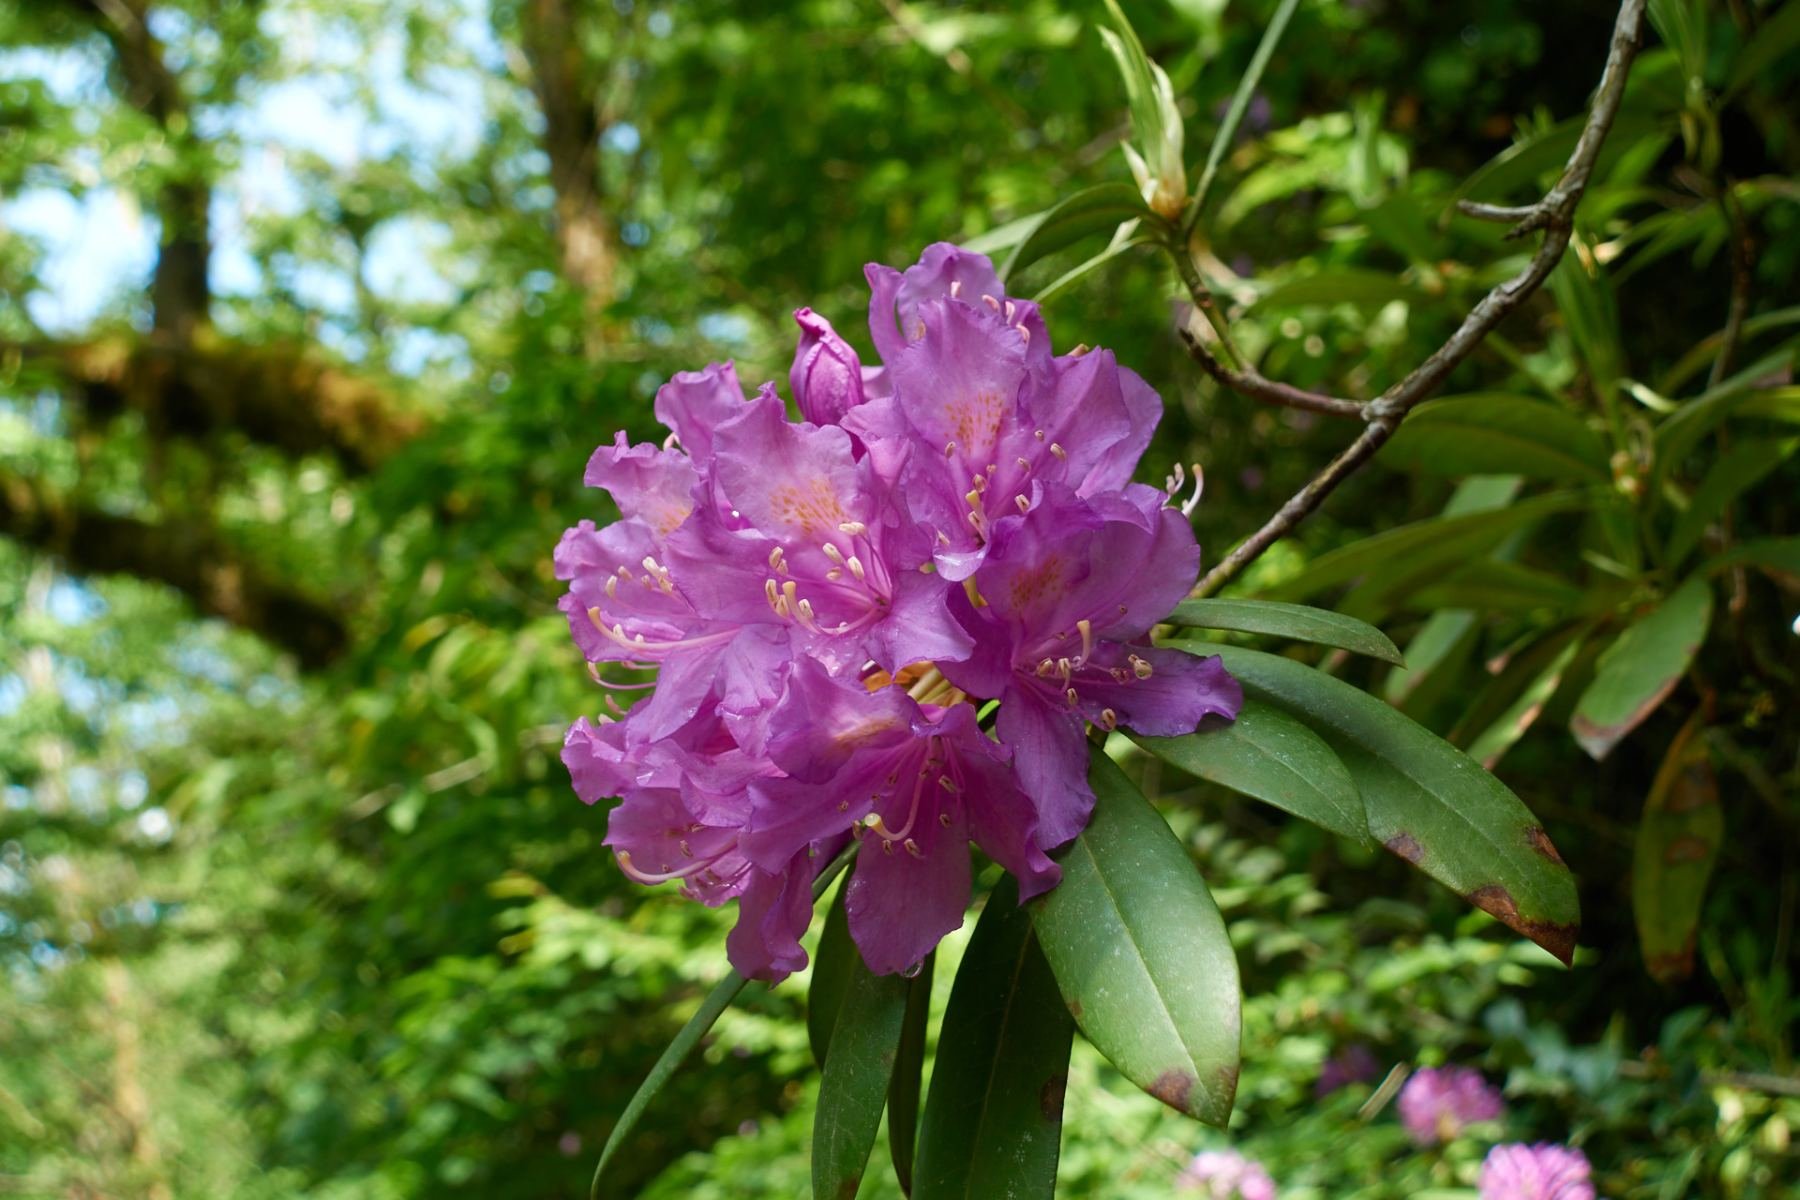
{"type": "Point", "coordinates": [990, 302]}
{"type": "Point", "coordinates": [612, 586]}
{"type": "Point", "coordinates": [834, 574]}
{"type": "Point", "coordinates": [1071, 697]}
{"type": "Point", "coordinates": [1064, 667]}
{"type": "Point", "coordinates": [1011, 308]}
{"type": "Point", "coordinates": [1140, 668]}
{"type": "Point", "coordinates": [955, 287]}
{"type": "Point", "coordinates": [833, 553]}
{"type": "Point", "coordinates": [1024, 333]}
{"type": "Point", "coordinates": [912, 848]}
{"type": "Point", "coordinates": [949, 449]}
{"type": "Point", "coordinates": [1109, 720]}
{"type": "Point", "coordinates": [1087, 637]}
{"type": "Point", "coordinates": [1024, 463]}
{"type": "Point", "coordinates": [944, 819]}
{"type": "Point", "coordinates": [1080, 349]}
{"type": "Point", "coordinates": [1023, 503]}
{"type": "Point", "coordinates": [1058, 450]}
{"type": "Point", "coordinates": [1045, 667]}
{"type": "Point", "coordinates": [770, 589]}
{"type": "Point", "coordinates": [949, 785]}
{"type": "Point", "coordinates": [686, 850]}
{"type": "Point", "coordinates": [843, 806]}
{"type": "Point", "coordinates": [789, 594]}
{"type": "Point", "coordinates": [1038, 434]}
{"type": "Point", "coordinates": [856, 567]}
{"type": "Point", "coordinates": [853, 528]}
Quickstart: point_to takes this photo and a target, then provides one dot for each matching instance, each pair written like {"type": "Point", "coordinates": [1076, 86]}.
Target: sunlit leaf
{"type": "Point", "coordinates": [1639, 670]}
{"type": "Point", "coordinates": [1099, 209]}
{"type": "Point", "coordinates": [1269, 756]}
{"type": "Point", "coordinates": [830, 975]}
{"type": "Point", "coordinates": [1141, 955]}
{"type": "Point", "coordinates": [993, 1120]}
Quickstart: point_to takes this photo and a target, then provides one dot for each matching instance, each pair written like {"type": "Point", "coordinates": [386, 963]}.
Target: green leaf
{"type": "Point", "coordinates": [854, 1084]}
{"type": "Point", "coordinates": [1075, 273]}
{"type": "Point", "coordinates": [1267, 755]}
{"type": "Point", "coordinates": [993, 1121]}
{"type": "Point", "coordinates": [1775, 554]}
{"type": "Point", "coordinates": [1440, 647]}
{"type": "Point", "coordinates": [1423, 544]}
{"type": "Point", "coordinates": [1141, 955]}
{"type": "Point", "coordinates": [909, 1066]}
{"type": "Point", "coordinates": [830, 976]}
{"type": "Point", "coordinates": [1778, 34]}
{"type": "Point", "coordinates": [1591, 315]}
{"type": "Point", "coordinates": [1365, 289]}
{"type": "Point", "coordinates": [1532, 679]}
{"type": "Point", "coordinates": [1240, 99]}
{"type": "Point", "coordinates": [1426, 800]}
{"type": "Point", "coordinates": [1702, 355]}
{"type": "Point", "coordinates": [1641, 668]}
{"type": "Point", "coordinates": [1520, 166]}
{"type": "Point", "coordinates": [1099, 209]}
{"type": "Point", "coordinates": [1677, 436]}
{"type": "Point", "coordinates": [1493, 585]}
{"type": "Point", "coordinates": [1496, 433]}
{"type": "Point", "coordinates": [1294, 621]}
{"type": "Point", "coordinates": [1677, 846]}
{"type": "Point", "coordinates": [716, 1002]}
{"type": "Point", "coordinates": [1737, 471]}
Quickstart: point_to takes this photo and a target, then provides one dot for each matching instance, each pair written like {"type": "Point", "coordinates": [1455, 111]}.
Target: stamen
{"type": "Point", "coordinates": [990, 302]}
{"type": "Point", "coordinates": [949, 449]}
{"type": "Point", "coordinates": [834, 574]}
{"type": "Point", "coordinates": [770, 590]}
{"type": "Point", "coordinates": [955, 287]}
{"type": "Point", "coordinates": [1058, 451]}
{"type": "Point", "coordinates": [944, 819]}
{"type": "Point", "coordinates": [1071, 697]}
{"type": "Point", "coordinates": [949, 785]}
{"type": "Point", "coordinates": [856, 567]}
{"type": "Point", "coordinates": [1139, 667]}
{"type": "Point", "coordinates": [833, 553]}
{"type": "Point", "coordinates": [1045, 667]}
{"type": "Point", "coordinates": [1080, 349]}
{"type": "Point", "coordinates": [1011, 308]}
{"type": "Point", "coordinates": [1193, 502]}
{"type": "Point", "coordinates": [1023, 332]}
{"type": "Point", "coordinates": [806, 614]}
{"type": "Point", "coordinates": [789, 595]}
{"type": "Point", "coordinates": [1024, 463]}
{"type": "Point", "coordinates": [1064, 668]}
{"type": "Point", "coordinates": [1038, 434]}
{"type": "Point", "coordinates": [670, 442]}
{"type": "Point", "coordinates": [612, 586]}
{"type": "Point", "coordinates": [853, 528]}
{"type": "Point", "coordinates": [1109, 720]}
{"type": "Point", "coordinates": [912, 848]}
{"type": "Point", "coordinates": [1023, 503]}
{"type": "Point", "coordinates": [1087, 638]}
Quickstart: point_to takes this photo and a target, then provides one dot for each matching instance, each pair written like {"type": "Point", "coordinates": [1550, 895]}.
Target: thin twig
{"type": "Point", "coordinates": [1249, 383]}
{"type": "Point", "coordinates": [1554, 214]}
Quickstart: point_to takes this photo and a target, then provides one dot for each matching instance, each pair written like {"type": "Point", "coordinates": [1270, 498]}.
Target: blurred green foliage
{"type": "Point", "coordinates": [334, 926]}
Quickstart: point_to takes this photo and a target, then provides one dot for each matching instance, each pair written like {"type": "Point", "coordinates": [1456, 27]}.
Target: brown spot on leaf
{"type": "Point", "coordinates": [1497, 902]}
{"type": "Point", "coordinates": [847, 1189]}
{"type": "Point", "coordinates": [1672, 966]}
{"type": "Point", "coordinates": [1075, 1009]}
{"type": "Point", "coordinates": [1687, 849]}
{"type": "Point", "coordinates": [1173, 1087]}
{"type": "Point", "coordinates": [1598, 739]}
{"type": "Point", "coordinates": [1050, 1097]}
{"type": "Point", "coordinates": [1228, 1081]}
{"type": "Point", "coordinates": [1540, 841]}
{"type": "Point", "coordinates": [1407, 847]}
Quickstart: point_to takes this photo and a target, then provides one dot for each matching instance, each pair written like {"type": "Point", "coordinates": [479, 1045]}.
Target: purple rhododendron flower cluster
{"type": "Point", "coordinates": [826, 602]}
{"type": "Point", "coordinates": [1226, 1175]}
{"type": "Point", "coordinates": [1438, 1102]}
{"type": "Point", "coordinates": [1542, 1172]}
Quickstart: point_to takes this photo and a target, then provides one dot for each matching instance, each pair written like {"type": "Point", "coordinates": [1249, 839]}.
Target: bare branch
{"type": "Point", "coordinates": [1554, 214]}
{"type": "Point", "coordinates": [1249, 383]}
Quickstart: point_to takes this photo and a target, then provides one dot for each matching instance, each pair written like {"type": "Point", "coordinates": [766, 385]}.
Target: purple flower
{"type": "Point", "coordinates": [823, 602]}
{"type": "Point", "coordinates": [1542, 1172]}
{"type": "Point", "coordinates": [1353, 1064]}
{"type": "Point", "coordinates": [1059, 611]}
{"type": "Point", "coordinates": [1226, 1175]}
{"type": "Point", "coordinates": [1438, 1102]}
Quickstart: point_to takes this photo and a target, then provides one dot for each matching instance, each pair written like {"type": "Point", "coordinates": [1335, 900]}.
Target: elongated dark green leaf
{"type": "Point", "coordinates": [1141, 955]}
{"type": "Point", "coordinates": [909, 1066]}
{"type": "Point", "coordinates": [1523, 164]}
{"type": "Point", "coordinates": [1269, 756]}
{"type": "Point", "coordinates": [1777, 554]}
{"type": "Point", "coordinates": [1427, 801]}
{"type": "Point", "coordinates": [1536, 676]}
{"type": "Point", "coordinates": [1365, 289]}
{"type": "Point", "coordinates": [865, 1041]}
{"type": "Point", "coordinates": [1737, 471]}
{"type": "Point", "coordinates": [1493, 585]}
{"type": "Point", "coordinates": [1081, 269]}
{"type": "Point", "coordinates": [1437, 540]}
{"type": "Point", "coordinates": [1437, 652]}
{"type": "Point", "coordinates": [1777, 34]}
{"type": "Point", "coordinates": [1496, 433]}
{"type": "Point", "coordinates": [1678, 843]}
{"type": "Point", "coordinates": [993, 1121]}
{"type": "Point", "coordinates": [716, 1002]}
{"type": "Point", "coordinates": [1295, 621]}
{"type": "Point", "coordinates": [830, 975]}
{"type": "Point", "coordinates": [1099, 209]}
{"type": "Point", "coordinates": [1677, 436]}
{"type": "Point", "coordinates": [1642, 667]}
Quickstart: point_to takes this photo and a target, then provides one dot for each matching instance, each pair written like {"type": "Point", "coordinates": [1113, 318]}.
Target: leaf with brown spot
{"type": "Point", "coordinates": [1426, 800]}
{"type": "Point", "coordinates": [1678, 844]}
{"type": "Point", "coordinates": [993, 1120]}
{"type": "Point", "coordinates": [1640, 669]}
{"type": "Point", "coordinates": [1135, 940]}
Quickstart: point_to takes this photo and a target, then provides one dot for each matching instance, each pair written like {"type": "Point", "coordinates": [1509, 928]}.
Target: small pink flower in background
{"type": "Point", "coordinates": [1226, 1175]}
{"type": "Point", "coordinates": [1541, 1172]}
{"type": "Point", "coordinates": [1438, 1102]}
